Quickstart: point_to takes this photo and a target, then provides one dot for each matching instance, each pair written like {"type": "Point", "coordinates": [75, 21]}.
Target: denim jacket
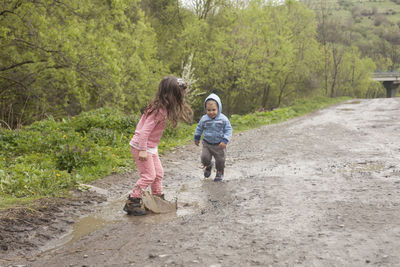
{"type": "Point", "coordinates": [215, 130]}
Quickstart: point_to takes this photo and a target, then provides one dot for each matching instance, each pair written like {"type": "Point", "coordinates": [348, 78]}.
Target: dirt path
{"type": "Point", "coordinates": [320, 190]}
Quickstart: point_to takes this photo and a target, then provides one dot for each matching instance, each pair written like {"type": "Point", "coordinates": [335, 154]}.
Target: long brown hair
{"type": "Point", "coordinates": [171, 96]}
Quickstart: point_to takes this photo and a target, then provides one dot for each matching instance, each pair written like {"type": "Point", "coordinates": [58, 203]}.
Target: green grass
{"type": "Point", "coordinates": [50, 157]}
{"type": "Point", "coordinates": [297, 108]}
{"type": "Point", "coordinates": [9, 201]}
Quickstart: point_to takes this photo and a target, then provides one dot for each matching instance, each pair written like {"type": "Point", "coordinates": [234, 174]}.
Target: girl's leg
{"type": "Point", "coordinates": [156, 186]}
{"type": "Point", "coordinates": [147, 173]}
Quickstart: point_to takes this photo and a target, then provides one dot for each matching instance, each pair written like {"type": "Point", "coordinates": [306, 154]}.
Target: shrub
{"type": "Point", "coordinates": [70, 158]}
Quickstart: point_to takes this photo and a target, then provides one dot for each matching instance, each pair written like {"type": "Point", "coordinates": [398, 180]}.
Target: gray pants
{"type": "Point", "coordinates": [215, 151]}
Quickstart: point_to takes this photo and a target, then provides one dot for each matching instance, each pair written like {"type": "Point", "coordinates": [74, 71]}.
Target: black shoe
{"type": "Point", "coordinates": [133, 206]}
{"type": "Point", "coordinates": [207, 171]}
{"type": "Point", "coordinates": [219, 176]}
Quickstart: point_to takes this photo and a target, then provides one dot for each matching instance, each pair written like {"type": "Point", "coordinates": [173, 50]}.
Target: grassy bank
{"type": "Point", "coordinates": [50, 157]}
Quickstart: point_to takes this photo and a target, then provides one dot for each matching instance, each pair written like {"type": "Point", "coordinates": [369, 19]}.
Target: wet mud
{"type": "Point", "coordinates": [319, 190]}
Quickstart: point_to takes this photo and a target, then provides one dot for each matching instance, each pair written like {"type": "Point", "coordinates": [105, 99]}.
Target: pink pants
{"type": "Point", "coordinates": [151, 173]}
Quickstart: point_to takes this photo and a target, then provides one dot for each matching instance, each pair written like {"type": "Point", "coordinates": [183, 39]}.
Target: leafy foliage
{"type": "Point", "coordinates": [68, 159]}
{"type": "Point", "coordinates": [371, 26]}
{"type": "Point", "coordinates": [63, 58]}
{"type": "Point", "coordinates": [48, 155]}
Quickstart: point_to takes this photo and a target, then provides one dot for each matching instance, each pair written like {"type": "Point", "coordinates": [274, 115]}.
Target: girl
{"type": "Point", "coordinates": [168, 103]}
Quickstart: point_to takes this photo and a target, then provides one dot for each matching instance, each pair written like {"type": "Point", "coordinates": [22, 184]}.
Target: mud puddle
{"type": "Point", "coordinates": [191, 199]}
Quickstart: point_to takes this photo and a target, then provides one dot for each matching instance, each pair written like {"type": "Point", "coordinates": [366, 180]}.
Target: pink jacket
{"type": "Point", "coordinates": [149, 130]}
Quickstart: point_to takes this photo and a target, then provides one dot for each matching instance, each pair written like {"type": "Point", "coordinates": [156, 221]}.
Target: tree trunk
{"type": "Point", "coordinates": [265, 96]}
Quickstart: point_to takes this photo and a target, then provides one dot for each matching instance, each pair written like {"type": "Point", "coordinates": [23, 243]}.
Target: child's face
{"type": "Point", "coordinates": [212, 109]}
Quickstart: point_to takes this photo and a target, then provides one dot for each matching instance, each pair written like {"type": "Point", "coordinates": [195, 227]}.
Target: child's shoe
{"type": "Point", "coordinates": [219, 176]}
{"type": "Point", "coordinates": [133, 206]}
{"type": "Point", "coordinates": [207, 171]}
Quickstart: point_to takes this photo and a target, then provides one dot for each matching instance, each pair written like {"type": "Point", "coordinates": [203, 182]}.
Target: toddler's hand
{"type": "Point", "coordinates": [197, 143]}
{"type": "Point", "coordinates": [143, 155]}
{"type": "Point", "coordinates": [222, 145]}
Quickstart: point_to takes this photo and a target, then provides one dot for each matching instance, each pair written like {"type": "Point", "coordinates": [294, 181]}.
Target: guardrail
{"type": "Point", "coordinates": [386, 76]}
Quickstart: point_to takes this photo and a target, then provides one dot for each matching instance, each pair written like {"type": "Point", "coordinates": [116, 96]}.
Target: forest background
{"type": "Point", "coordinates": [74, 75]}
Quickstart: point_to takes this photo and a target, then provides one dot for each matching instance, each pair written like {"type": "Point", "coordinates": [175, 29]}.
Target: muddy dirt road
{"type": "Point", "coordinates": [320, 190]}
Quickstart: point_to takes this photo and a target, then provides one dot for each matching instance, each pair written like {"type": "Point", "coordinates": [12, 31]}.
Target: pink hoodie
{"type": "Point", "coordinates": [149, 130]}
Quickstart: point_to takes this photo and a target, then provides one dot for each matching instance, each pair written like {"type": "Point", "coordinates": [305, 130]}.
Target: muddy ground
{"type": "Point", "coordinates": [319, 190]}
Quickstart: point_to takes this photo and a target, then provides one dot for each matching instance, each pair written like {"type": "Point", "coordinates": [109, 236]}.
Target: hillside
{"type": "Point", "coordinates": [365, 12]}
{"type": "Point", "coordinates": [372, 26]}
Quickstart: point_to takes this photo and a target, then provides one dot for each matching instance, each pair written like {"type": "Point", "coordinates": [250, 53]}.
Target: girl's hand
{"type": "Point", "coordinates": [143, 155]}
{"type": "Point", "coordinates": [222, 145]}
{"type": "Point", "coordinates": [197, 143]}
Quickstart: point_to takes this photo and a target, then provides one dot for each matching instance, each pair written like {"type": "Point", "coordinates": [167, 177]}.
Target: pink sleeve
{"type": "Point", "coordinates": [150, 122]}
{"type": "Point", "coordinates": [144, 132]}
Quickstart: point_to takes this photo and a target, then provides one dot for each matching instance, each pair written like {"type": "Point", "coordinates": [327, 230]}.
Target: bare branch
{"type": "Point", "coordinates": [17, 65]}
{"type": "Point", "coordinates": [69, 8]}
{"type": "Point", "coordinates": [15, 81]}
{"type": "Point", "coordinates": [6, 11]}
{"type": "Point", "coordinates": [17, 4]}
{"type": "Point", "coordinates": [35, 46]}
{"type": "Point", "coordinates": [8, 126]}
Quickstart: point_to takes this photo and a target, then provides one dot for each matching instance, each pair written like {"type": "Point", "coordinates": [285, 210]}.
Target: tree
{"type": "Point", "coordinates": [61, 58]}
{"type": "Point", "coordinates": [355, 77]}
{"type": "Point", "coordinates": [202, 8]}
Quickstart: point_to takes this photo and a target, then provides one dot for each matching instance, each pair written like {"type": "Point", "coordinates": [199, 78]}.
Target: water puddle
{"type": "Point", "coordinates": [191, 199]}
{"type": "Point", "coordinates": [363, 167]}
{"type": "Point", "coordinates": [353, 102]}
